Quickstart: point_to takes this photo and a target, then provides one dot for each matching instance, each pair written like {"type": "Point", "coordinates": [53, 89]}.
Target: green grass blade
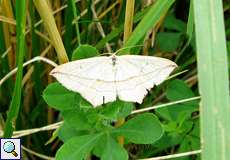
{"type": "Point", "coordinates": [74, 10]}
{"type": "Point", "coordinates": [69, 29]}
{"type": "Point", "coordinates": [149, 20]}
{"type": "Point", "coordinates": [190, 24]}
{"type": "Point", "coordinates": [15, 103]}
{"type": "Point", "coordinates": [213, 79]}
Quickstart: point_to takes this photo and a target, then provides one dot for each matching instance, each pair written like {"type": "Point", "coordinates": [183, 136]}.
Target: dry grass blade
{"type": "Point", "coordinates": [46, 14]}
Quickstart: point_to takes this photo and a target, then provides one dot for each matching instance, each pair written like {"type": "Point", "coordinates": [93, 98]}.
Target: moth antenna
{"type": "Point", "coordinates": [113, 54]}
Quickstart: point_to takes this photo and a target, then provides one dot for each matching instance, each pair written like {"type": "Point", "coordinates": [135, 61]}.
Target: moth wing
{"type": "Point", "coordinates": [93, 78]}
{"type": "Point", "coordinates": [137, 74]}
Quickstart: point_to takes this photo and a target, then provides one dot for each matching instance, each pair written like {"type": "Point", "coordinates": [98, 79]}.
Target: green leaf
{"type": "Point", "coordinates": [66, 132]}
{"type": "Point", "coordinates": [195, 134]}
{"type": "Point", "coordinates": [168, 41]}
{"type": "Point", "coordinates": [186, 126]}
{"type": "Point", "coordinates": [184, 146]}
{"type": "Point", "coordinates": [177, 112]}
{"type": "Point", "coordinates": [78, 147]}
{"type": "Point", "coordinates": [110, 111]}
{"type": "Point", "coordinates": [84, 51]}
{"type": "Point", "coordinates": [177, 90]}
{"type": "Point", "coordinates": [60, 98]}
{"type": "Point", "coordinates": [117, 109]}
{"type": "Point", "coordinates": [168, 140]}
{"type": "Point", "coordinates": [142, 129]}
{"type": "Point", "coordinates": [77, 119]}
{"type": "Point", "coordinates": [113, 150]}
{"type": "Point", "coordinates": [174, 24]}
{"type": "Point", "coordinates": [125, 109]}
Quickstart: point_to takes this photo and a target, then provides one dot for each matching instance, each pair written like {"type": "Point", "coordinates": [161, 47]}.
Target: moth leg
{"type": "Point", "coordinates": [103, 99]}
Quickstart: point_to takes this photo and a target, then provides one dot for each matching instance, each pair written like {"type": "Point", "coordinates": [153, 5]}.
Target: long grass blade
{"type": "Point", "coordinates": [74, 10]}
{"type": "Point", "coordinates": [213, 79]}
{"type": "Point", "coordinates": [16, 100]}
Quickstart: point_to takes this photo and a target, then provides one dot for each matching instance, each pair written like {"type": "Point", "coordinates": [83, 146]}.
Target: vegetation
{"type": "Point", "coordinates": [191, 107]}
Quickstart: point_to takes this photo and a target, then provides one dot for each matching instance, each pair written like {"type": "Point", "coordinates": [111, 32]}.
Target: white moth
{"type": "Point", "coordinates": [102, 79]}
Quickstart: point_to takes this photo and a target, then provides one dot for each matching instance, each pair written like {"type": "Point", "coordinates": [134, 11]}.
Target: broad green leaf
{"type": "Point", "coordinates": [177, 112]}
{"type": "Point", "coordinates": [172, 23]}
{"type": "Point", "coordinates": [125, 109]}
{"type": "Point", "coordinates": [142, 129]}
{"type": "Point", "coordinates": [86, 120]}
{"type": "Point", "coordinates": [113, 150]}
{"type": "Point", "coordinates": [177, 90]}
{"type": "Point", "coordinates": [110, 111]}
{"type": "Point", "coordinates": [184, 146]}
{"type": "Point", "coordinates": [186, 126]}
{"type": "Point", "coordinates": [78, 147]}
{"type": "Point", "coordinates": [100, 146]}
{"type": "Point", "coordinates": [108, 148]}
{"type": "Point", "coordinates": [84, 51]}
{"type": "Point", "coordinates": [168, 140]}
{"type": "Point", "coordinates": [77, 119]}
{"type": "Point", "coordinates": [117, 109]}
{"type": "Point", "coordinates": [60, 98]}
{"type": "Point", "coordinates": [168, 41]}
{"type": "Point", "coordinates": [170, 126]}
{"type": "Point", "coordinates": [84, 104]}
{"type": "Point", "coordinates": [189, 143]}
{"type": "Point", "coordinates": [195, 136]}
{"type": "Point", "coordinates": [66, 132]}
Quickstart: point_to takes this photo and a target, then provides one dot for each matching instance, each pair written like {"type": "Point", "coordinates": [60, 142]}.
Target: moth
{"type": "Point", "coordinates": [104, 79]}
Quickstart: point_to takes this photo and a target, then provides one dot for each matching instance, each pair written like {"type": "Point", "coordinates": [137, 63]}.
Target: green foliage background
{"type": "Point", "coordinates": [165, 29]}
